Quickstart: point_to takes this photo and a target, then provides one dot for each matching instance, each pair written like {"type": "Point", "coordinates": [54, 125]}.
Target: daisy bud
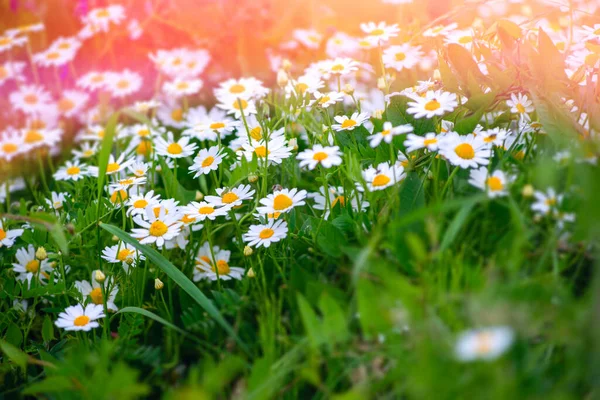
{"type": "Point", "coordinates": [282, 78]}
{"type": "Point", "coordinates": [437, 76]}
{"type": "Point", "coordinates": [115, 238]}
{"type": "Point", "coordinates": [53, 264]}
{"type": "Point", "coordinates": [250, 273]}
{"type": "Point", "coordinates": [158, 284]}
{"type": "Point", "coordinates": [381, 84]}
{"type": "Point", "coordinates": [248, 251]}
{"type": "Point", "coordinates": [41, 254]}
{"type": "Point", "coordinates": [348, 89]}
{"type": "Point", "coordinates": [293, 143]}
{"type": "Point", "coordinates": [99, 276]}
{"type": "Point", "coordinates": [252, 178]}
{"type": "Point", "coordinates": [277, 187]}
{"type": "Point", "coordinates": [286, 65]}
{"type": "Point", "coordinates": [527, 191]}
{"type": "Point", "coordinates": [199, 195]}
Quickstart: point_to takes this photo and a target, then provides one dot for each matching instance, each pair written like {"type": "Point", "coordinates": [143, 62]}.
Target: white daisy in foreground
{"type": "Point", "coordinates": [282, 201]}
{"type": "Point", "coordinates": [206, 269]}
{"type": "Point", "coordinates": [433, 103]}
{"type": "Point", "coordinates": [415, 142]}
{"type": "Point", "coordinates": [122, 253]}
{"type": "Point", "coordinates": [72, 171]}
{"type": "Point", "coordinates": [199, 211]}
{"type": "Point", "coordinates": [75, 318]}
{"type": "Point", "coordinates": [138, 203]}
{"type": "Point", "coordinates": [327, 156]}
{"type": "Point", "coordinates": [345, 123]}
{"type": "Point", "coordinates": [388, 133]}
{"type": "Point", "coordinates": [94, 290]}
{"type": "Point", "coordinates": [466, 151]}
{"type": "Point", "coordinates": [520, 104]}
{"type": "Point", "coordinates": [383, 176]}
{"type": "Point", "coordinates": [273, 151]}
{"type": "Point", "coordinates": [327, 99]}
{"type": "Point", "coordinates": [264, 235]}
{"type": "Point", "coordinates": [495, 185]}
{"type": "Point", "coordinates": [174, 148]}
{"type": "Point", "coordinates": [546, 201]}
{"type": "Point", "coordinates": [8, 237]}
{"type": "Point", "coordinates": [156, 228]}
{"type": "Point", "coordinates": [231, 197]}
{"type": "Point", "coordinates": [207, 160]}
{"type": "Point", "coordinates": [28, 266]}
{"type": "Point", "coordinates": [338, 197]}
{"type": "Point", "coordinates": [117, 165]}
{"type": "Point", "coordinates": [483, 344]}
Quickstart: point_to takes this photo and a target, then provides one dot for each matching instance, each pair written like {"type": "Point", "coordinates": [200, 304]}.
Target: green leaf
{"type": "Point", "coordinates": [173, 187]}
{"type": "Point", "coordinates": [311, 323]}
{"type": "Point", "coordinates": [14, 335]}
{"type": "Point", "coordinates": [14, 354]}
{"type": "Point", "coordinates": [179, 278]}
{"type": "Point", "coordinates": [153, 316]}
{"type": "Point", "coordinates": [457, 223]}
{"type": "Point", "coordinates": [47, 329]}
{"type": "Point", "coordinates": [52, 384]}
{"type": "Point", "coordinates": [105, 150]}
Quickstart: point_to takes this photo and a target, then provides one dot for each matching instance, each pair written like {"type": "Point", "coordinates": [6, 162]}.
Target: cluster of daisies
{"type": "Point", "coordinates": [338, 97]}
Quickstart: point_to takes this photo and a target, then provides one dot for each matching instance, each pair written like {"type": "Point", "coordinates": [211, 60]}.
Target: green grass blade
{"type": "Point", "coordinates": [106, 148]}
{"type": "Point", "coordinates": [179, 278]}
{"type": "Point", "coordinates": [153, 316]}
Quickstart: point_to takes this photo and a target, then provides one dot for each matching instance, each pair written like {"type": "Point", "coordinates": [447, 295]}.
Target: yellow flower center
{"type": "Point", "coordinates": [337, 68]}
{"type": "Point", "coordinates": [381, 180]}
{"type": "Point", "coordinates": [9, 148]}
{"type": "Point", "coordinates": [484, 343]}
{"type": "Point", "coordinates": [551, 201]}
{"type": "Point", "coordinates": [177, 115]}
{"type": "Point", "coordinates": [64, 46]}
{"type": "Point", "coordinates": [182, 85]}
{"type": "Point", "coordinates": [186, 219]}
{"type": "Point", "coordinates": [256, 133]}
{"type": "Point", "coordinates": [237, 88]}
{"type": "Point", "coordinates": [320, 156]}
{"type": "Point", "coordinates": [465, 39]}
{"type": "Point", "coordinates": [324, 99]}
{"type": "Point", "coordinates": [495, 184]}
{"type": "Point", "coordinates": [30, 99]}
{"type": "Point", "coordinates": [126, 182]}
{"type": "Point", "coordinates": [261, 151]}
{"type": "Point", "coordinates": [141, 203]}
{"type": "Point", "coordinates": [490, 139]}
{"type": "Point", "coordinates": [33, 136]}
{"type": "Point", "coordinates": [144, 148]}
{"type": "Point", "coordinates": [216, 125]}
{"type": "Point", "coordinates": [222, 267]}
{"type": "Point", "coordinates": [266, 233]}
{"type": "Point", "coordinates": [349, 123]}
{"type": "Point", "coordinates": [112, 167]}
{"type": "Point", "coordinates": [82, 320]}
{"type": "Point", "coordinates": [432, 105]}
{"type": "Point", "coordinates": [465, 151]}
{"type": "Point", "coordinates": [143, 132]}
{"type": "Point", "coordinates": [123, 84]}
{"type": "Point", "coordinates": [429, 142]}
{"type": "Point", "coordinates": [301, 87]}
{"type": "Point", "coordinates": [229, 198]}
{"type": "Point", "coordinates": [97, 78]}
{"type": "Point", "coordinates": [124, 254]}
{"type": "Point", "coordinates": [65, 105]}
{"type": "Point", "coordinates": [118, 195]}
{"type": "Point", "coordinates": [3, 72]}
{"type": "Point", "coordinates": [386, 132]}
{"type": "Point", "coordinates": [240, 103]}
{"type": "Point", "coordinates": [339, 199]}
{"type": "Point", "coordinates": [377, 32]}
{"type": "Point", "coordinates": [53, 55]}
{"type": "Point", "coordinates": [400, 56]}
{"type": "Point", "coordinates": [206, 210]}
{"type": "Point", "coordinates": [96, 295]}
{"type": "Point", "coordinates": [208, 161]}
{"type": "Point", "coordinates": [281, 202]}
{"type": "Point", "coordinates": [32, 266]}
{"type": "Point", "coordinates": [2, 234]}
{"type": "Point", "coordinates": [520, 108]}
{"type": "Point", "coordinates": [158, 228]}
{"type": "Point", "coordinates": [102, 13]}
{"type": "Point", "coordinates": [174, 148]}
{"type": "Point", "coordinates": [5, 40]}
{"type": "Point", "coordinates": [73, 170]}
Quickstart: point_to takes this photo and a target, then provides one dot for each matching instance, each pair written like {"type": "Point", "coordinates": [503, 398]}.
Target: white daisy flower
{"type": "Point", "coordinates": [327, 156]}
{"type": "Point", "coordinates": [282, 201]}
{"type": "Point", "coordinates": [30, 99]}
{"type": "Point", "coordinates": [466, 151]}
{"type": "Point", "coordinates": [207, 160]}
{"type": "Point", "coordinates": [495, 184]}
{"type": "Point", "coordinates": [273, 151]}
{"type": "Point", "coordinates": [203, 210]}
{"type": "Point", "coordinates": [327, 99]}
{"type": "Point", "coordinates": [8, 237]}
{"type": "Point", "coordinates": [93, 80]}
{"type": "Point", "coordinates": [433, 103]}
{"type": "Point", "coordinates": [495, 136]}
{"type": "Point", "coordinates": [208, 126]}
{"type": "Point", "coordinates": [388, 133]}
{"type": "Point", "coordinates": [546, 201]}
{"type": "Point", "coordinates": [87, 150]}
{"type": "Point", "coordinates": [174, 148]}
{"type": "Point", "coordinates": [121, 84]}
{"type": "Point", "coordinates": [156, 229]}
{"type": "Point", "coordinates": [137, 203]}
{"type": "Point", "coordinates": [520, 104]}
{"type": "Point", "coordinates": [182, 87]}
{"type": "Point", "coordinates": [12, 145]}
{"type": "Point", "coordinates": [341, 66]}
{"type": "Point", "coordinates": [483, 344]}
{"type": "Point", "coordinates": [128, 182]}
{"type": "Point", "coordinates": [338, 197]}
{"type": "Point", "coordinates": [72, 171]}
{"type": "Point", "coordinates": [28, 266]}
{"type": "Point", "coordinates": [57, 200]}
{"type": "Point", "coordinates": [402, 57]}
{"type": "Point", "coordinates": [238, 106]}
{"type": "Point", "coordinates": [231, 197]}
{"type": "Point", "coordinates": [207, 269]}
{"type": "Point", "coordinates": [415, 142]}
{"type": "Point", "coordinates": [345, 123]}
{"type": "Point", "coordinates": [380, 32]}
{"type": "Point", "coordinates": [94, 290]}
{"type": "Point", "coordinates": [383, 176]}
{"type": "Point", "coordinates": [75, 318]}
{"type": "Point", "coordinates": [122, 253]}
{"type": "Point", "coordinates": [266, 234]}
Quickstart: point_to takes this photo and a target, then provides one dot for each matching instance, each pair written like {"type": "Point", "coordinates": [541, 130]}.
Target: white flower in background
{"type": "Point", "coordinates": [205, 268]}
{"type": "Point", "coordinates": [494, 184]}
{"type": "Point", "coordinates": [327, 156]}
{"type": "Point", "coordinates": [388, 133]}
{"type": "Point", "coordinates": [415, 142]}
{"type": "Point", "coordinates": [75, 318]}
{"type": "Point", "coordinates": [266, 234]}
{"type": "Point", "coordinates": [122, 253]}
{"type": "Point", "coordinates": [546, 201]}
{"type": "Point", "coordinates": [383, 176]}
{"type": "Point", "coordinates": [282, 201]}
{"type": "Point", "coordinates": [483, 344]}
{"type": "Point", "coordinates": [466, 151]}
{"type": "Point", "coordinates": [433, 103]}
{"type": "Point", "coordinates": [8, 236]}
{"type": "Point", "coordinates": [94, 290]}
{"type": "Point", "coordinates": [207, 160]}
